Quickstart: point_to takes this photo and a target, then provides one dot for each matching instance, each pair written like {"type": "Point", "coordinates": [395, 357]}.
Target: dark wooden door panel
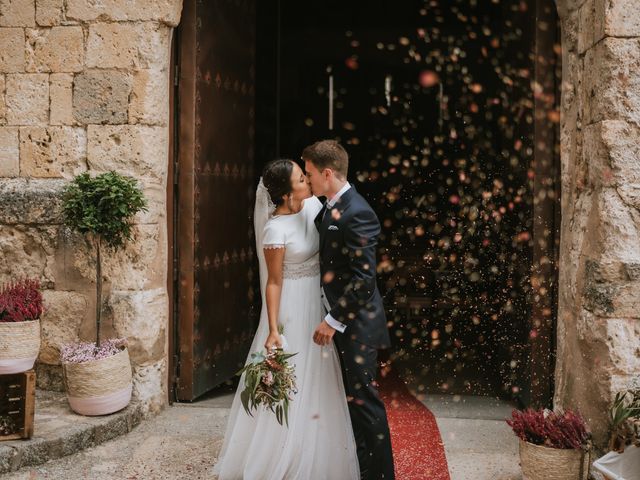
{"type": "Point", "coordinates": [217, 266]}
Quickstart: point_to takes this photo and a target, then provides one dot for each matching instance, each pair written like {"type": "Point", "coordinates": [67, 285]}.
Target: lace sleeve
{"type": "Point", "coordinates": [273, 237]}
{"type": "Point", "coordinates": [273, 246]}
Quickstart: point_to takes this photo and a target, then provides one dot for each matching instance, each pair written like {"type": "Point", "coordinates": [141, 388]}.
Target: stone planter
{"type": "Point", "coordinates": [19, 346]}
{"type": "Point", "coordinates": [99, 387]}
{"type": "Point", "coordinates": [545, 463]}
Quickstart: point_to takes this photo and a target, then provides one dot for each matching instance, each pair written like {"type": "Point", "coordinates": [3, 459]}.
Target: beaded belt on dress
{"type": "Point", "coordinates": [310, 268]}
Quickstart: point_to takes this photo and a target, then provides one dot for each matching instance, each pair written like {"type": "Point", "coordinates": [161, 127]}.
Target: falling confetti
{"type": "Point", "coordinates": [440, 119]}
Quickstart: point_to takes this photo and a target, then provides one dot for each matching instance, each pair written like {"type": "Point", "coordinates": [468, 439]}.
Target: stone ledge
{"type": "Point", "coordinates": [30, 202]}
{"type": "Point", "coordinates": [59, 432]}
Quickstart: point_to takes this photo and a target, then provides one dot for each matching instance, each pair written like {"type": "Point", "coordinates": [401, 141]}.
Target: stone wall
{"type": "Point", "coordinates": [599, 298]}
{"type": "Point", "coordinates": [84, 87]}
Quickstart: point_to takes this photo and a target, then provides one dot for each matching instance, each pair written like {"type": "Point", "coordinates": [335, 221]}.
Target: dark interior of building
{"type": "Point", "coordinates": [434, 102]}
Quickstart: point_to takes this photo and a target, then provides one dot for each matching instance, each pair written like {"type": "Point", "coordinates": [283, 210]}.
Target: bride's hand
{"type": "Point", "coordinates": [273, 340]}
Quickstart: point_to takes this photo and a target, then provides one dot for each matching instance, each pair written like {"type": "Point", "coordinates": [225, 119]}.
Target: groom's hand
{"type": "Point", "coordinates": [323, 334]}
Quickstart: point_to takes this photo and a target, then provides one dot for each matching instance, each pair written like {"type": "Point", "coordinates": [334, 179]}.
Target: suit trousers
{"type": "Point", "coordinates": [368, 416]}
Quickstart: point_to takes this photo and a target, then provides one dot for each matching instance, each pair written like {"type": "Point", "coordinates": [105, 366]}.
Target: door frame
{"type": "Point", "coordinates": [181, 208]}
{"type": "Point", "coordinates": [180, 202]}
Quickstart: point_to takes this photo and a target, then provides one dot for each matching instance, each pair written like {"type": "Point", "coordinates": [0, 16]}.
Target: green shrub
{"type": "Point", "coordinates": [102, 208]}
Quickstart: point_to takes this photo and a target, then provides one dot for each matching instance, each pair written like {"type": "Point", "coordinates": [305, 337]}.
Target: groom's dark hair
{"type": "Point", "coordinates": [328, 154]}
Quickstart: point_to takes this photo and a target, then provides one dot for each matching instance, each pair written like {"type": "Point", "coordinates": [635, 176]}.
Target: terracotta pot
{"type": "Point", "coordinates": [545, 463]}
{"type": "Point", "coordinates": [19, 346]}
{"type": "Point", "coordinates": [99, 387]}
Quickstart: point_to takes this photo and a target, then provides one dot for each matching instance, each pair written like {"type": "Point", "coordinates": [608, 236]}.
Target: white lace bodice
{"type": "Point", "coordinates": [298, 234]}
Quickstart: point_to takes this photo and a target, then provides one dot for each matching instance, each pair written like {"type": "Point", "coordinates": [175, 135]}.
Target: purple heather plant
{"type": "Point", "coordinates": [566, 430]}
{"type": "Point", "coordinates": [21, 301]}
{"type": "Point", "coordinates": [85, 352]}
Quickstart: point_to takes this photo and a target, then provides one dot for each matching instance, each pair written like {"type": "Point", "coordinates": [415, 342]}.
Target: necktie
{"type": "Point", "coordinates": [325, 209]}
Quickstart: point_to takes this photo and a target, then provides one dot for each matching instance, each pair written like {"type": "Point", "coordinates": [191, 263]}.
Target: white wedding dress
{"type": "Point", "coordinates": [319, 442]}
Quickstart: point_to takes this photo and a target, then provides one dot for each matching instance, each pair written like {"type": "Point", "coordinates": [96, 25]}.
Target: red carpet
{"type": "Point", "coordinates": [418, 450]}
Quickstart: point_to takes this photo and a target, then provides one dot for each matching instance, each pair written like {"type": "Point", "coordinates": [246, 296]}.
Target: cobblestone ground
{"type": "Point", "coordinates": [182, 443]}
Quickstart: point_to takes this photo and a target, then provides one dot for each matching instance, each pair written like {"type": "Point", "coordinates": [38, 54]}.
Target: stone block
{"type": "Point", "coordinates": [156, 195]}
{"type": "Point", "coordinates": [566, 7]}
{"type": "Point", "coordinates": [27, 251]}
{"type": "Point", "coordinates": [617, 234]}
{"type": "Point", "coordinates": [154, 46]}
{"type": "Point", "coordinates": [17, 13]}
{"type": "Point", "coordinates": [12, 50]}
{"type": "Point", "coordinates": [61, 99]}
{"type": "Point", "coordinates": [52, 152]}
{"type": "Point", "coordinates": [49, 12]}
{"type": "Point", "coordinates": [3, 102]}
{"type": "Point", "coordinates": [623, 382]}
{"type": "Point", "coordinates": [164, 11]}
{"type": "Point", "coordinates": [149, 103]}
{"type": "Point", "coordinates": [141, 317]}
{"type": "Point", "coordinates": [27, 99]}
{"type": "Point", "coordinates": [140, 265]}
{"type": "Point", "coordinates": [149, 385]}
{"type": "Point", "coordinates": [613, 300]}
{"type": "Point", "coordinates": [590, 24]}
{"type": "Point", "coordinates": [57, 49]}
{"type": "Point", "coordinates": [621, 18]}
{"type": "Point", "coordinates": [611, 90]}
{"type": "Point", "coordinates": [49, 377]}
{"type": "Point", "coordinates": [623, 344]}
{"type": "Point", "coordinates": [101, 97]}
{"type": "Point", "coordinates": [65, 312]}
{"type": "Point", "coordinates": [603, 271]}
{"type": "Point", "coordinates": [128, 45]}
{"type": "Point", "coordinates": [611, 151]}
{"type": "Point", "coordinates": [632, 271]}
{"type": "Point", "coordinates": [30, 202]}
{"type": "Point", "coordinates": [9, 152]}
{"type": "Point", "coordinates": [135, 150]}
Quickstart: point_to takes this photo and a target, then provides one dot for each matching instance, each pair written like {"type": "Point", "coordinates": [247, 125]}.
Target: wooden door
{"type": "Point", "coordinates": [217, 291]}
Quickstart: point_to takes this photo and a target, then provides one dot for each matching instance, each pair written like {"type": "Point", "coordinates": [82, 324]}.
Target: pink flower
{"type": "Point", "coordinates": [268, 379]}
{"type": "Point", "coordinates": [84, 352]}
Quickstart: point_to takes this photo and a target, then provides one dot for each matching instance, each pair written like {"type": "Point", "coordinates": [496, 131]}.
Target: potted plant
{"type": "Point", "coordinates": [623, 459]}
{"type": "Point", "coordinates": [97, 375]}
{"type": "Point", "coordinates": [20, 311]}
{"type": "Point", "coordinates": [553, 445]}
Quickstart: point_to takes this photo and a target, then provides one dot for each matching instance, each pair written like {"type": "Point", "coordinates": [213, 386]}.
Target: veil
{"type": "Point", "coordinates": [262, 212]}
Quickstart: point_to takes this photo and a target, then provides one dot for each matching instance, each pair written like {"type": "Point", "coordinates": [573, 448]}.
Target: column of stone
{"type": "Point", "coordinates": [599, 304]}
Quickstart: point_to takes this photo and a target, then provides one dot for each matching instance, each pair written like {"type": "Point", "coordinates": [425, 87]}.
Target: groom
{"type": "Point", "coordinates": [355, 318]}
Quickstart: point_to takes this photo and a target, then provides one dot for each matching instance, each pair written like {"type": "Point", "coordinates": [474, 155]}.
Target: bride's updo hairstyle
{"type": "Point", "coordinates": [276, 177]}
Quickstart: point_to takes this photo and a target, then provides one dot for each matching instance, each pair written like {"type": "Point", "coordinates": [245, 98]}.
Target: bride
{"type": "Point", "coordinates": [319, 443]}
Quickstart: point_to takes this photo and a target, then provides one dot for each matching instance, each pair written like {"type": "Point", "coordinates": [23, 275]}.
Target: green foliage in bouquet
{"type": "Point", "coordinates": [269, 381]}
{"type": "Point", "coordinates": [102, 209]}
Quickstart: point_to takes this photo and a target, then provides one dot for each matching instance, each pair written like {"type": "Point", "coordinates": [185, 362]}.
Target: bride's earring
{"type": "Point", "coordinates": [290, 204]}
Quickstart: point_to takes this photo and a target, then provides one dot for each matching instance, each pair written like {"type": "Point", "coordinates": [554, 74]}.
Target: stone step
{"type": "Point", "coordinates": [59, 432]}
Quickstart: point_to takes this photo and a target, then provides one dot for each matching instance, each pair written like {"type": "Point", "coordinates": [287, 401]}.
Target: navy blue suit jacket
{"type": "Point", "coordinates": [348, 238]}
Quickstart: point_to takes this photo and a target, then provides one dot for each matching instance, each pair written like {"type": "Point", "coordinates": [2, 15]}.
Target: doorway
{"type": "Point", "coordinates": [449, 113]}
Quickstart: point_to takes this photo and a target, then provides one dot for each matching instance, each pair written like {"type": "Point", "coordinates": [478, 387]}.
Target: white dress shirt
{"type": "Point", "coordinates": [333, 323]}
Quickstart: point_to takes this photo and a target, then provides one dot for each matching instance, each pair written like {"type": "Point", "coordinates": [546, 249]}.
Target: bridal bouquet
{"type": "Point", "coordinates": [269, 381]}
